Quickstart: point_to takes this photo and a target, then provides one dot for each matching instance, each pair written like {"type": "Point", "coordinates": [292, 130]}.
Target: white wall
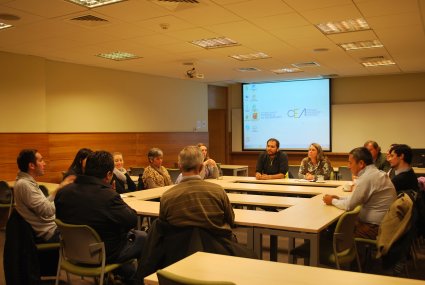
{"type": "Point", "coordinates": [48, 96]}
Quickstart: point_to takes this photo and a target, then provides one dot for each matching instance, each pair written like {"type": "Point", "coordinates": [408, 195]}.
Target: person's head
{"type": "Point", "coordinates": [373, 148]}
{"type": "Point", "coordinates": [400, 156]}
{"type": "Point", "coordinates": [191, 159]}
{"type": "Point", "coordinates": [31, 162]}
{"type": "Point", "coordinates": [388, 154]}
{"type": "Point", "coordinates": [204, 150]}
{"type": "Point", "coordinates": [155, 157]}
{"type": "Point", "coordinates": [315, 152]}
{"type": "Point", "coordinates": [358, 159]}
{"type": "Point", "coordinates": [272, 146]}
{"type": "Point", "coordinates": [100, 164]}
{"type": "Point", "coordinates": [79, 162]}
{"type": "Point", "coordinates": [118, 160]}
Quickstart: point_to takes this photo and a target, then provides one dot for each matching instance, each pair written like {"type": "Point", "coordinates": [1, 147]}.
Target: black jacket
{"type": "Point", "coordinates": [120, 185]}
{"type": "Point", "coordinates": [167, 244]}
{"type": "Point", "coordinates": [90, 201]}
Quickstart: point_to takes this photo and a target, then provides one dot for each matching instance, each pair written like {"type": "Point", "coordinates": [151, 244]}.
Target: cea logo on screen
{"type": "Point", "coordinates": [297, 113]}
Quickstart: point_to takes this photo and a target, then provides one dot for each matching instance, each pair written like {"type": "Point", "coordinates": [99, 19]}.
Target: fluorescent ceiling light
{"type": "Point", "coordinates": [5, 26]}
{"type": "Point", "coordinates": [361, 45]}
{"type": "Point", "coordinates": [351, 25]}
{"type": "Point", "coordinates": [286, 70]}
{"type": "Point", "coordinates": [306, 64]}
{"type": "Point", "coordinates": [378, 63]}
{"type": "Point", "coordinates": [250, 56]}
{"type": "Point", "coordinates": [118, 55]}
{"type": "Point", "coordinates": [215, 42]}
{"type": "Point", "coordinates": [94, 3]}
{"type": "Point", "coordinates": [248, 69]}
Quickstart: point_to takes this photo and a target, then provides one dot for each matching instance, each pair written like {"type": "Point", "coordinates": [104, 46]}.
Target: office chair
{"type": "Point", "coordinates": [344, 173]}
{"type": "Point", "coordinates": [82, 252]}
{"type": "Point", "coordinates": [343, 248]}
{"type": "Point", "coordinates": [136, 171]}
{"type": "Point", "coordinates": [24, 260]}
{"type": "Point", "coordinates": [168, 278]}
{"type": "Point", "coordinates": [6, 197]}
{"type": "Point", "coordinates": [293, 171]}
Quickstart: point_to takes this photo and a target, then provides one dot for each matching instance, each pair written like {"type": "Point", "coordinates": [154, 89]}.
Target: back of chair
{"type": "Point", "coordinates": [80, 244]}
{"type": "Point", "coordinates": [344, 173]}
{"type": "Point", "coordinates": [136, 171]}
{"type": "Point", "coordinates": [344, 230]}
{"type": "Point", "coordinates": [293, 171]}
{"type": "Point", "coordinates": [5, 193]}
{"type": "Point", "coordinates": [168, 278]}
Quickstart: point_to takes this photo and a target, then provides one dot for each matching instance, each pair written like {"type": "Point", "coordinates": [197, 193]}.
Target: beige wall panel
{"type": "Point", "coordinates": [22, 93]}
{"type": "Point", "coordinates": [90, 99]}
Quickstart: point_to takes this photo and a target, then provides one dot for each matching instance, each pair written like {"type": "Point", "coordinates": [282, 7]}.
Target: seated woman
{"type": "Point", "coordinates": [315, 164]}
{"type": "Point", "coordinates": [121, 180]}
{"type": "Point", "coordinates": [79, 163]}
{"type": "Point", "coordinates": [156, 175]}
{"type": "Point", "coordinates": [210, 169]}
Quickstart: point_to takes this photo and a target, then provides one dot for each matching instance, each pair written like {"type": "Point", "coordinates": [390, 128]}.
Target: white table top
{"type": "Point", "coordinates": [230, 166]}
{"type": "Point", "coordinates": [244, 271]}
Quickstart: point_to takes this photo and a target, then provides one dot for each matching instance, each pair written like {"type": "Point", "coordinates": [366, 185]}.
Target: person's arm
{"type": "Point", "coordinates": [34, 199]}
{"type": "Point", "coordinates": [326, 169]}
{"type": "Point", "coordinates": [229, 214]}
{"type": "Point", "coordinates": [283, 164]}
{"type": "Point", "coordinates": [259, 168]}
{"type": "Point", "coordinates": [131, 186]}
{"type": "Point", "coordinates": [121, 214]}
{"type": "Point", "coordinates": [303, 169]}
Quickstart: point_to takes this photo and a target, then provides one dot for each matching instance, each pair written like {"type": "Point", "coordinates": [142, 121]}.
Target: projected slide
{"type": "Point", "coordinates": [297, 113]}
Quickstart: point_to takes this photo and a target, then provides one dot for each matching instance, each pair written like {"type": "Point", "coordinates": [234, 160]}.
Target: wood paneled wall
{"type": "Point", "coordinates": [59, 149]}
{"type": "Point", "coordinates": [250, 158]}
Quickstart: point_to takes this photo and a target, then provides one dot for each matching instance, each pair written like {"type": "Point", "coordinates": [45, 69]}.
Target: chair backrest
{"type": "Point", "coordinates": [44, 190]}
{"type": "Point", "coordinates": [136, 171]}
{"type": "Point", "coordinates": [5, 193]}
{"type": "Point", "coordinates": [343, 238]}
{"type": "Point", "coordinates": [293, 171]}
{"type": "Point", "coordinates": [174, 173]}
{"type": "Point", "coordinates": [344, 173]}
{"type": "Point", "coordinates": [80, 244]}
{"type": "Point", "coordinates": [168, 278]}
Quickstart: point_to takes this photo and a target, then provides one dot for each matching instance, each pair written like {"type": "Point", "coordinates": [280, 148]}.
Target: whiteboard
{"type": "Point", "coordinates": [385, 123]}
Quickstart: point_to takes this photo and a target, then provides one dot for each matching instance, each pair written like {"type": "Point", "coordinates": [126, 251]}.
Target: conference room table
{"type": "Point", "coordinates": [305, 219]}
{"type": "Point", "coordinates": [245, 271]}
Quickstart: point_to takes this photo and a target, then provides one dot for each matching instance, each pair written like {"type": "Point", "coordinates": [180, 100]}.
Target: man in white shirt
{"type": "Point", "coordinates": [374, 191]}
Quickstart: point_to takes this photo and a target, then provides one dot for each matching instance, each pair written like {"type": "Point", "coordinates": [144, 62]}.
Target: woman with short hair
{"type": "Point", "coordinates": [156, 175]}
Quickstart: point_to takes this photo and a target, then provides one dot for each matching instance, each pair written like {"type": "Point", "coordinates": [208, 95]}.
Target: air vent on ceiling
{"type": "Point", "coordinates": [89, 18]}
{"type": "Point", "coordinates": [306, 64]}
{"type": "Point", "coordinates": [180, 1]}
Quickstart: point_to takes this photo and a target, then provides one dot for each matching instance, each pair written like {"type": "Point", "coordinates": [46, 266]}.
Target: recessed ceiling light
{"type": "Point", "coordinates": [351, 25]}
{"type": "Point", "coordinates": [9, 17]}
{"type": "Point", "coordinates": [118, 55]}
{"type": "Point", "coordinates": [378, 63]}
{"type": "Point", "coordinates": [215, 42]}
{"type": "Point", "coordinates": [320, 49]}
{"type": "Point", "coordinates": [248, 69]}
{"type": "Point", "coordinates": [287, 70]}
{"type": "Point", "coordinates": [94, 3]}
{"type": "Point", "coordinates": [5, 26]}
{"type": "Point", "coordinates": [250, 56]}
{"type": "Point", "coordinates": [361, 45]}
{"type": "Point", "coordinates": [306, 64]}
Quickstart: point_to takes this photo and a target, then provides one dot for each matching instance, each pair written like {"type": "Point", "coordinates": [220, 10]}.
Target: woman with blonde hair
{"type": "Point", "coordinates": [121, 180]}
{"type": "Point", "coordinates": [315, 164]}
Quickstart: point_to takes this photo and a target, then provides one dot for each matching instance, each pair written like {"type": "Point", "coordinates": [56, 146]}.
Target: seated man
{"type": "Point", "coordinates": [374, 191]}
{"type": "Point", "coordinates": [31, 203]}
{"type": "Point", "coordinates": [92, 201]}
{"type": "Point", "coordinates": [379, 158]}
{"type": "Point", "coordinates": [405, 178]}
{"type": "Point", "coordinates": [195, 202]}
{"type": "Point", "coordinates": [272, 164]}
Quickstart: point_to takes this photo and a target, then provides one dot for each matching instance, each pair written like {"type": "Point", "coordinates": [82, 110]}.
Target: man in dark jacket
{"type": "Point", "coordinates": [272, 163]}
{"type": "Point", "coordinates": [91, 201]}
{"type": "Point", "coordinates": [405, 178]}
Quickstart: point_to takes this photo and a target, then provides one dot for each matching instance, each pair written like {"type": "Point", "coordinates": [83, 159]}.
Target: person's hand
{"type": "Point", "coordinates": [68, 180]}
{"type": "Point", "coordinates": [258, 176]}
{"type": "Point", "coordinates": [328, 199]}
{"type": "Point", "coordinates": [210, 162]}
{"type": "Point", "coordinates": [309, 176]}
{"type": "Point", "coordinates": [265, 177]}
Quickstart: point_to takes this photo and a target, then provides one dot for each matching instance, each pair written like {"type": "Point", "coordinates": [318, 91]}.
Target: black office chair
{"type": "Point", "coordinates": [136, 171]}
{"type": "Point", "coordinates": [344, 173]}
{"type": "Point", "coordinates": [24, 260]}
{"type": "Point", "coordinates": [293, 171]}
